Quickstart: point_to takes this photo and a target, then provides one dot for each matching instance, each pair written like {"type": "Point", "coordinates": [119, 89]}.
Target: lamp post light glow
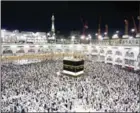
{"type": "Point", "coordinates": [105, 33]}
{"type": "Point", "coordinates": [62, 39]}
{"type": "Point", "coordinates": [100, 37]}
{"type": "Point", "coordinates": [96, 34]}
{"type": "Point", "coordinates": [90, 38]}
{"type": "Point", "coordinates": [132, 30]}
{"type": "Point", "coordinates": [48, 34]}
{"type": "Point", "coordinates": [117, 32]}
{"type": "Point", "coordinates": [72, 38]}
{"type": "Point", "coordinates": [87, 38]}
{"type": "Point", "coordinates": [53, 37]}
{"type": "Point", "coordinates": [82, 37]}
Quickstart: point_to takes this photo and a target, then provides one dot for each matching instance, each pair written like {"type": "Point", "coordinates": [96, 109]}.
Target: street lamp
{"type": "Point", "coordinates": [100, 37]}
{"type": "Point", "coordinates": [82, 37]}
{"type": "Point", "coordinates": [105, 33]}
{"type": "Point", "coordinates": [132, 30]}
{"type": "Point", "coordinates": [73, 38]}
{"type": "Point", "coordinates": [89, 36]}
{"type": "Point", "coordinates": [96, 34]}
{"type": "Point", "coordinates": [117, 32]}
{"type": "Point", "coordinates": [53, 37]}
{"type": "Point", "coordinates": [48, 34]}
{"type": "Point", "coordinates": [62, 39]}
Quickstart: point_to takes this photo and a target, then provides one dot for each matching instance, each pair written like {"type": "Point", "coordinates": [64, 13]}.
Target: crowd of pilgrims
{"type": "Point", "coordinates": [41, 87]}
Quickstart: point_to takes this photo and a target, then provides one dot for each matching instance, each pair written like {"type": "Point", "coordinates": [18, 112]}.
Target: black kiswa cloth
{"type": "Point", "coordinates": [73, 63]}
{"type": "Point", "coordinates": [73, 68]}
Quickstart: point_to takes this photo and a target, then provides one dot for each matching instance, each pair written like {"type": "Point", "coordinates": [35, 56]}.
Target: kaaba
{"type": "Point", "coordinates": [73, 66]}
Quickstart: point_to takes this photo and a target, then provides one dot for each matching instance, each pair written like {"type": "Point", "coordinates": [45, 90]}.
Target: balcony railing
{"type": "Point", "coordinates": [112, 42]}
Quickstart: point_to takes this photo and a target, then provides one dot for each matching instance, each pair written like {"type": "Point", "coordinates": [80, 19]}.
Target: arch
{"type": "Point", "coordinates": [59, 50]}
{"type": "Point", "coordinates": [95, 51]}
{"type": "Point", "coordinates": [47, 50]}
{"type": "Point", "coordinates": [109, 52]}
{"type": "Point", "coordinates": [137, 42]}
{"type": "Point", "coordinates": [109, 58]}
{"type": "Point", "coordinates": [102, 51]}
{"type": "Point", "coordinates": [118, 53]}
{"type": "Point", "coordinates": [131, 54]}
{"type": "Point", "coordinates": [102, 57]}
{"type": "Point", "coordinates": [129, 62]}
{"type": "Point", "coordinates": [93, 47]}
{"type": "Point", "coordinates": [94, 57]}
{"type": "Point", "coordinates": [139, 55]}
{"type": "Point", "coordinates": [20, 51]}
{"type": "Point", "coordinates": [41, 49]}
{"type": "Point", "coordinates": [139, 64]}
{"type": "Point", "coordinates": [118, 60]}
{"type": "Point", "coordinates": [7, 51]}
{"type": "Point", "coordinates": [31, 51]}
{"type": "Point", "coordinates": [127, 54]}
{"type": "Point", "coordinates": [126, 61]}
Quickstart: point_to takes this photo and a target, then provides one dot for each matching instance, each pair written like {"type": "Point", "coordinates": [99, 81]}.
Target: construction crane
{"type": "Point", "coordinates": [85, 26]}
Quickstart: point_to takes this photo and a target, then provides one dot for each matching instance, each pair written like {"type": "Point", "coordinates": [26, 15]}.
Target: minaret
{"type": "Point", "coordinates": [53, 28]}
{"type": "Point", "coordinates": [126, 27]}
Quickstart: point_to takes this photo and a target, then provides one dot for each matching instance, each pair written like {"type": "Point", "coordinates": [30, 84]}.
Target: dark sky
{"type": "Point", "coordinates": [36, 16]}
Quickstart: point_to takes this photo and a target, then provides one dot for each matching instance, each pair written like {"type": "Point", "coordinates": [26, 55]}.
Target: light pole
{"type": "Point", "coordinates": [82, 37]}
{"type": "Point", "coordinates": [96, 34]}
{"type": "Point", "coordinates": [62, 40]}
{"type": "Point", "coordinates": [133, 32]}
{"type": "Point", "coordinates": [90, 38]}
{"type": "Point", "coordinates": [72, 39]}
{"type": "Point", "coordinates": [118, 35]}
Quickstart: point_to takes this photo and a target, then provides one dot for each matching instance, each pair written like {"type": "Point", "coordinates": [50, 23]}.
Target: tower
{"type": "Point", "coordinates": [126, 27]}
{"type": "Point", "coordinates": [53, 28]}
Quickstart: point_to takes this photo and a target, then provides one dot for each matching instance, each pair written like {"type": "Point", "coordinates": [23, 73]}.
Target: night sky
{"type": "Point", "coordinates": [36, 16]}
